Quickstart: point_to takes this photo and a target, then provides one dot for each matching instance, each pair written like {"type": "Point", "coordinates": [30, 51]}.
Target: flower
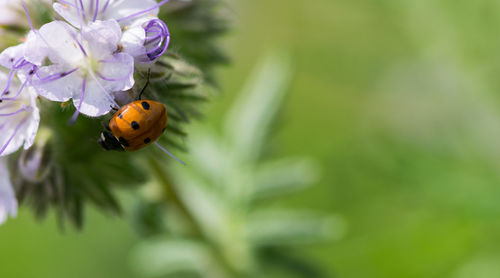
{"type": "Point", "coordinates": [8, 201]}
{"type": "Point", "coordinates": [19, 116]}
{"type": "Point", "coordinates": [81, 12]}
{"type": "Point", "coordinates": [85, 65]}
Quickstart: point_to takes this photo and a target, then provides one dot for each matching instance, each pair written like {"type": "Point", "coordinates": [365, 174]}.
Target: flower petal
{"type": "Point", "coordinates": [59, 40]}
{"type": "Point", "coordinates": [69, 13]}
{"type": "Point", "coordinates": [121, 9]}
{"type": "Point", "coordinates": [60, 89]}
{"type": "Point", "coordinates": [96, 102]}
{"type": "Point", "coordinates": [102, 37]}
{"type": "Point", "coordinates": [117, 73]}
{"type": "Point", "coordinates": [133, 41]}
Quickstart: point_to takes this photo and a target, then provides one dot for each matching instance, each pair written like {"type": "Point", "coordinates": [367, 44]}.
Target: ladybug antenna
{"type": "Point", "coordinates": [146, 85]}
{"type": "Point", "coordinates": [170, 154]}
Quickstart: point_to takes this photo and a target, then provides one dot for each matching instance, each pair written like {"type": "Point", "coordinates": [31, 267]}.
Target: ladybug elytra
{"type": "Point", "coordinates": [135, 126]}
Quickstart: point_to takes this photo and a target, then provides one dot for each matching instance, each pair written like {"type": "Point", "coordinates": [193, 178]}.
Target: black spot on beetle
{"type": "Point", "coordinates": [135, 125]}
{"type": "Point", "coordinates": [147, 140]}
{"type": "Point", "coordinates": [145, 105]}
{"type": "Point", "coordinates": [123, 142]}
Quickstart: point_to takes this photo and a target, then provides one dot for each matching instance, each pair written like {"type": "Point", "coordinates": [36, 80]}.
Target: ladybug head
{"type": "Point", "coordinates": [109, 142]}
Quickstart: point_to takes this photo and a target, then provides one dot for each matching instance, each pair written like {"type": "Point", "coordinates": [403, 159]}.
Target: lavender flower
{"type": "Point", "coordinates": [85, 65]}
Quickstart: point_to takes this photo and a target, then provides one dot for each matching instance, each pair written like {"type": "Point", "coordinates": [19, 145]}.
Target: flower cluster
{"type": "Point", "coordinates": [87, 58]}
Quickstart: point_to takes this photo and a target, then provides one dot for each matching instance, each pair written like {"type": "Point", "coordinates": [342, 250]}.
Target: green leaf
{"type": "Point", "coordinates": [281, 177]}
{"type": "Point", "coordinates": [165, 257]}
{"type": "Point", "coordinates": [281, 227]}
{"type": "Point", "coordinates": [249, 120]}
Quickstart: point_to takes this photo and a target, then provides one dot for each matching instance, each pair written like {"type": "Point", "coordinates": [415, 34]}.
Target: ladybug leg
{"type": "Point", "coordinates": [114, 108]}
{"type": "Point", "coordinates": [145, 86]}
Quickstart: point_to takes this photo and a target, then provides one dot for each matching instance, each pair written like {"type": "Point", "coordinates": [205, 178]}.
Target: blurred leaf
{"type": "Point", "coordinates": [249, 120]}
{"type": "Point", "coordinates": [166, 257]}
{"type": "Point", "coordinates": [282, 227]}
{"type": "Point", "coordinates": [282, 177]}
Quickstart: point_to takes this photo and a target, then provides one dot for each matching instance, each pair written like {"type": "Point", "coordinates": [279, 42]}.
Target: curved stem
{"type": "Point", "coordinates": [173, 198]}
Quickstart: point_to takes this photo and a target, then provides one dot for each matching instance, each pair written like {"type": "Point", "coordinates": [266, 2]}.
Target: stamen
{"type": "Point", "coordinates": [105, 6]}
{"type": "Point", "coordinates": [13, 134]}
{"type": "Point", "coordinates": [28, 15]}
{"type": "Point", "coordinates": [82, 96]}
{"type": "Point", "coordinates": [17, 65]}
{"type": "Point", "coordinates": [170, 154]}
{"type": "Point", "coordinates": [18, 91]}
{"type": "Point", "coordinates": [143, 12]}
{"type": "Point", "coordinates": [96, 10]}
{"type": "Point", "coordinates": [157, 38]}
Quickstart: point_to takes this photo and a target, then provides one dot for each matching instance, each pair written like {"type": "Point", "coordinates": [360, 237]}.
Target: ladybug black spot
{"type": "Point", "coordinates": [123, 141]}
{"type": "Point", "coordinates": [147, 140]}
{"type": "Point", "coordinates": [135, 125]}
{"type": "Point", "coordinates": [145, 105]}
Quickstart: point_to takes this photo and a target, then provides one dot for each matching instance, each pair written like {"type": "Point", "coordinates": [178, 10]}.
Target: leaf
{"type": "Point", "coordinates": [282, 177]}
{"type": "Point", "coordinates": [281, 227]}
{"type": "Point", "coordinates": [249, 120]}
{"type": "Point", "coordinates": [163, 257]}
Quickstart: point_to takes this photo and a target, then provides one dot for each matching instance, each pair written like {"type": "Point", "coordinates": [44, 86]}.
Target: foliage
{"type": "Point", "coordinates": [219, 222]}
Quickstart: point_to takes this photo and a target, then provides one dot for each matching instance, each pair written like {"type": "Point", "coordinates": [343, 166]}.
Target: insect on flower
{"type": "Point", "coordinates": [135, 126]}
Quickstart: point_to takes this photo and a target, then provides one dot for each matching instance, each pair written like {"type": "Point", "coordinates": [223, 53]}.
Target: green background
{"type": "Point", "coordinates": [396, 100]}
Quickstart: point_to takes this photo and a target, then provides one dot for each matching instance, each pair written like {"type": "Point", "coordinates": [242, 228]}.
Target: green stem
{"type": "Point", "coordinates": [172, 196]}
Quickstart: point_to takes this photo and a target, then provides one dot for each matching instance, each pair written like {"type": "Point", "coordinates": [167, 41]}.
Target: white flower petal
{"type": "Point", "coordinates": [133, 41]}
{"type": "Point", "coordinates": [61, 41]}
{"type": "Point", "coordinates": [102, 37]}
{"type": "Point", "coordinates": [61, 89]}
{"type": "Point", "coordinates": [8, 201]}
{"type": "Point", "coordinates": [67, 12]}
{"type": "Point", "coordinates": [95, 101]}
{"type": "Point", "coordinates": [11, 55]}
{"type": "Point", "coordinates": [117, 72]}
{"type": "Point", "coordinates": [122, 9]}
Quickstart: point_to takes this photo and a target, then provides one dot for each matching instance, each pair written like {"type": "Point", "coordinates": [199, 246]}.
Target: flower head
{"type": "Point", "coordinates": [84, 65]}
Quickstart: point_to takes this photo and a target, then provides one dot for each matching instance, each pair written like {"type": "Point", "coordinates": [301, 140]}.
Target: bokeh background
{"type": "Point", "coordinates": [397, 101]}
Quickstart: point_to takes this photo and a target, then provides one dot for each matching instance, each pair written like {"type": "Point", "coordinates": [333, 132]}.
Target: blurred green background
{"type": "Point", "coordinates": [396, 100]}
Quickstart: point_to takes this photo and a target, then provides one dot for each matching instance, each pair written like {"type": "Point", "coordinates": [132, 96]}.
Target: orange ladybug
{"type": "Point", "coordinates": [135, 126]}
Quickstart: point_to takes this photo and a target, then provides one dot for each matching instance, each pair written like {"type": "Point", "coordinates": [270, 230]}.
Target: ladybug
{"type": "Point", "coordinates": [135, 126]}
